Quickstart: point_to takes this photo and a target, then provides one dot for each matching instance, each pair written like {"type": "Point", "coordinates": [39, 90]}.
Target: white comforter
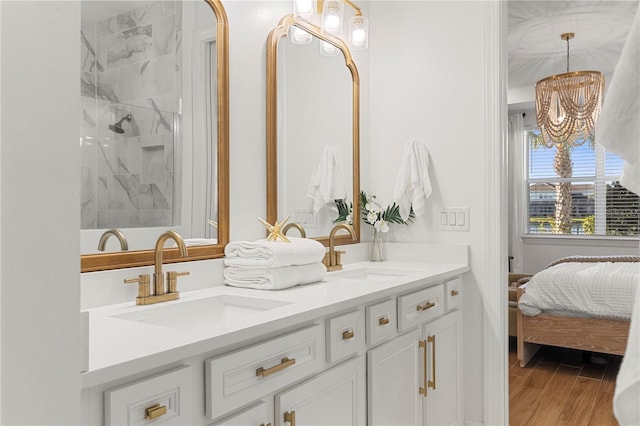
{"type": "Point", "coordinates": [598, 290]}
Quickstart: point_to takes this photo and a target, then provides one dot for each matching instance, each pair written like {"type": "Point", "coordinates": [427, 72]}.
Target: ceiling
{"type": "Point", "coordinates": [536, 51]}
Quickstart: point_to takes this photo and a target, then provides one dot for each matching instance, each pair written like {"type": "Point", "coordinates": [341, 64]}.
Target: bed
{"type": "Point", "coordinates": [578, 302]}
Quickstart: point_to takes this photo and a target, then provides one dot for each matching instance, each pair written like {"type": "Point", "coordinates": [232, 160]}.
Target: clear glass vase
{"type": "Point", "coordinates": [376, 253]}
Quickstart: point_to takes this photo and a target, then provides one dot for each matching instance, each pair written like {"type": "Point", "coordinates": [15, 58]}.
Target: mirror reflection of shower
{"type": "Point", "coordinates": [117, 127]}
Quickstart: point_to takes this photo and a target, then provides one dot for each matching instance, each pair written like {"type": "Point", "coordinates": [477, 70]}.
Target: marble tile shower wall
{"type": "Point", "coordinates": [131, 64]}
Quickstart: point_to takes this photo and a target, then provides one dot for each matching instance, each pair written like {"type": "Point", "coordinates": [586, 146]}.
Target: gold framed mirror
{"type": "Point", "coordinates": [216, 122]}
{"type": "Point", "coordinates": [287, 191]}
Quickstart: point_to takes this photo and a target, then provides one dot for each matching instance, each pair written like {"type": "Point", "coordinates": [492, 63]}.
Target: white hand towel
{"type": "Point", "coordinates": [274, 278]}
{"type": "Point", "coordinates": [618, 127]}
{"type": "Point", "coordinates": [413, 185]}
{"type": "Point", "coordinates": [273, 254]}
{"type": "Point", "coordinates": [326, 184]}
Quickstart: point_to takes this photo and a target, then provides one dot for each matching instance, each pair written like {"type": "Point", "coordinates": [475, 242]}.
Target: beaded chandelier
{"type": "Point", "coordinates": [568, 105]}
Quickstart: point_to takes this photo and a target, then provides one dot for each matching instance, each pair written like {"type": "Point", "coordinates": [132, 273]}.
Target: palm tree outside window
{"type": "Point", "coordinates": [576, 190]}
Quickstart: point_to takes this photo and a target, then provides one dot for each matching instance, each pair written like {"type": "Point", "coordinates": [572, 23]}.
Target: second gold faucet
{"type": "Point", "coordinates": [332, 258]}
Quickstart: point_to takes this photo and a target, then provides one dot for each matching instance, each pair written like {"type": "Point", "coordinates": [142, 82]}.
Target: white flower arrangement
{"type": "Point", "coordinates": [372, 213]}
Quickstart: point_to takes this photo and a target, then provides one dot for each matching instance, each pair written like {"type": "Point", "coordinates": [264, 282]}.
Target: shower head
{"type": "Point", "coordinates": [117, 127]}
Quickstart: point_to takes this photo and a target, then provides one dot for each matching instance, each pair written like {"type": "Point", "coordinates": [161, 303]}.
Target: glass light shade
{"type": "Point", "coordinates": [568, 105]}
{"type": "Point", "coordinates": [327, 49]}
{"type": "Point", "coordinates": [332, 21]}
{"type": "Point", "coordinates": [359, 32]}
{"type": "Point", "coordinates": [300, 36]}
{"type": "Point", "coordinates": [303, 8]}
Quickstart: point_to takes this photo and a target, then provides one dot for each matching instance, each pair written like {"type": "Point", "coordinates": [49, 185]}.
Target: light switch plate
{"type": "Point", "coordinates": [453, 219]}
{"type": "Point", "coordinates": [305, 217]}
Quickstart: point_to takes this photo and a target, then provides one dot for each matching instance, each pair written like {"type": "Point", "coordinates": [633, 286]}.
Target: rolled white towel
{"type": "Point", "coordinates": [273, 254]}
{"type": "Point", "coordinates": [274, 278]}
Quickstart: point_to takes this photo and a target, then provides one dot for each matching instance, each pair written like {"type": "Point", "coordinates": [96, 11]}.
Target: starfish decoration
{"type": "Point", "coordinates": [275, 232]}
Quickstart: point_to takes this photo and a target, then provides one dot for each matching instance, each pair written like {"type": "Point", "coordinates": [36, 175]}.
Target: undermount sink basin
{"type": "Point", "coordinates": [371, 273]}
{"type": "Point", "coordinates": [201, 312]}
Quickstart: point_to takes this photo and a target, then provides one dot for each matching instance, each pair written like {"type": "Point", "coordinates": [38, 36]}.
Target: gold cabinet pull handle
{"type": "Point", "coordinates": [454, 293]}
{"type": "Point", "coordinates": [423, 345]}
{"type": "Point", "coordinates": [432, 340]}
{"type": "Point", "coordinates": [290, 417]}
{"type": "Point", "coordinates": [262, 424]}
{"type": "Point", "coordinates": [155, 411]}
{"type": "Point", "coordinates": [426, 306]}
{"type": "Point", "coordinates": [346, 335]}
{"type": "Point", "coordinates": [383, 321]}
{"type": "Point", "coordinates": [286, 362]}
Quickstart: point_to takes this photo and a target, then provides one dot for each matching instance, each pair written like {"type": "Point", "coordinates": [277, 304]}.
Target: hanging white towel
{"type": "Point", "coordinates": [326, 184]}
{"type": "Point", "coordinates": [273, 254]}
{"type": "Point", "coordinates": [413, 185]}
{"type": "Point", "coordinates": [618, 127]}
{"type": "Point", "coordinates": [274, 278]}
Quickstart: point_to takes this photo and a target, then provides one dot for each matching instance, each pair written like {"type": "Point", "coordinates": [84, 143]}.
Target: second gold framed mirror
{"type": "Point", "coordinates": [313, 129]}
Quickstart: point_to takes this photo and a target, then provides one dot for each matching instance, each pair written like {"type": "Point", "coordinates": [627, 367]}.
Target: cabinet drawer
{"type": "Point", "coordinates": [163, 399]}
{"type": "Point", "coordinates": [381, 321]}
{"type": "Point", "coordinates": [345, 335]}
{"type": "Point", "coordinates": [240, 377]}
{"type": "Point", "coordinates": [453, 293]}
{"type": "Point", "coordinates": [420, 306]}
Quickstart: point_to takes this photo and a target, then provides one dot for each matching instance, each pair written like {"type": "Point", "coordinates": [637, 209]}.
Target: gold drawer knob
{"type": "Point", "coordinates": [155, 411]}
{"type": "Point", "coordinates": [383, 321]}
{"type": "Point", "coordinates": [454, 293]}
{"type": "Point", "coordinates": [426, 306]}
{"type": "Point", "coordinates": [285, 362]}
{"type": "Point", "coordinates": [346, 335]}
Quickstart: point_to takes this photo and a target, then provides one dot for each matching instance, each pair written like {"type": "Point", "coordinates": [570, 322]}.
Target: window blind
{"type": "Point", "coordinates": [576, 190]}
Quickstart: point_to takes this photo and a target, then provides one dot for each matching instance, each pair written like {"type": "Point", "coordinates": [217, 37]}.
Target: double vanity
{"type": "Point", "coordinates": [373, 343]}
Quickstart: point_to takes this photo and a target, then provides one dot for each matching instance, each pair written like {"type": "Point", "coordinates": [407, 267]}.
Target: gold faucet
{"type": "Point", "coordinates": [299, 227]}
{"type": "Point", "coordinates": [332, 257]}
{"type": "Point", "coordinates": [118, 234]}
{"type": "Point", "coordinates": [160, 295]}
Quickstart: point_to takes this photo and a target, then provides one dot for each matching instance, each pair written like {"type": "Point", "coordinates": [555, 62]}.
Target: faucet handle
{"type": "Point", "coordinates": [144, 285]}
{"type": "Point", "coordinates": [172, 280]}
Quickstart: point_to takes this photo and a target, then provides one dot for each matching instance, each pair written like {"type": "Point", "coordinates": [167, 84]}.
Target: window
{"type": "Point", "coordinates": [576, 190]}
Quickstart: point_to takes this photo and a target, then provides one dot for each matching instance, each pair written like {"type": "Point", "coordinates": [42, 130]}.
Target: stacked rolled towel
{"type": "Point", "coordinates": [273, 265]}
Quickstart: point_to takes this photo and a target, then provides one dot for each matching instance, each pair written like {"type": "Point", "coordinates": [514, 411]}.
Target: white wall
{"type": "Point", "coordinates": [427, 81]}
{"type": "Point", "coordinates": [539, 252]}
{"type": "Point", "coordinates": [39, 282]}
{"type": "Point", "coordinates": [419, 84]}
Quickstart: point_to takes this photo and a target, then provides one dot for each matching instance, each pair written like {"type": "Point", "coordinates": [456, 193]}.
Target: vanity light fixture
{"type": "Point", "coordinates": [331, 16]}
{"type": "Point", "coordinates": [300, 36]}
{"type": "Point", "coordinates": [327, 49]}
{"type": "Point", "coordinates": [568, 105]}
{"type": "Point", "coordinates": [332, 20]}
{"type": "Point", "coordinates": [303, 8]}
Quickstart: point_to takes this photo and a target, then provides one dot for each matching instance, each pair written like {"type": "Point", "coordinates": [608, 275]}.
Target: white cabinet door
{"type": "Point", "coordinates": [260, 414]}
{"type": "Point", "coordinates": [394, 372]}
{"type": "Point", "coordinates": [336, 397]}
{"type": "Point", "coordinates": [443, 402]}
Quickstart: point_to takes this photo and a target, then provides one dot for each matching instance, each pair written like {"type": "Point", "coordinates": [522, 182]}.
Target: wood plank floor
{"type": "Point", "coordinates": [558, 388]}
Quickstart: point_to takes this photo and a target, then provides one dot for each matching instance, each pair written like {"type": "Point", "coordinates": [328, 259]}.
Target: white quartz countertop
{"type": "Point", "coordinates": [121, 347]}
